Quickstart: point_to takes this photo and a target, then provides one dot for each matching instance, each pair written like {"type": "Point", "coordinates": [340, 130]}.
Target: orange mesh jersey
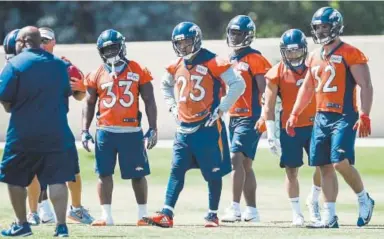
{"type": "Point", "coordinates": [335, 86]}
{"type": "Point", "coordinates": [118, 97]}
{"type": "Point", "coordinates": [198, 86]}
{"type": "Point", "coordinates": [289, 83]}
{"type": "Point", "coordinates": [249, 63]}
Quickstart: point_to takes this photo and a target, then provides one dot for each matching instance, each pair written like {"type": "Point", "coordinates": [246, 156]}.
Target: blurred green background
{"type": "Point", "coordinates": [82, 22]}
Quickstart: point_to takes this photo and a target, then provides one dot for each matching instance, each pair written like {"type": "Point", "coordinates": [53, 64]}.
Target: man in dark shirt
{"type": "Point", "coordinates": [34, 88]}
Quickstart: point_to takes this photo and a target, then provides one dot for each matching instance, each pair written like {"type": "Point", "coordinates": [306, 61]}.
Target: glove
{"type": "Point", "coordinates": [76, 79]}
{"type": "Point", "coordinates": [85, 137]}
{"type": "Point", "coordinates": [363, 124]}
{"type": "Point", "coordinates": [260, 126]}
{"type": "Point", "coordinates": [217, 113]}
{"type": "Point", "coordinates": [291, 124]}
{"type": "Point", "coordinates": [273, 142]}
{"type": "Point", "coordinates": [151, 138]}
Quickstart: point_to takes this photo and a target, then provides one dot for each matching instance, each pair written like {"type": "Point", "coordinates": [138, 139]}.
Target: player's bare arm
{"type": "Point", "coordinates": [362, 77]}
{"type": "Point", "coordinates": [7, 106]}
{"type": "Point", "coordinates": [89, 108]}
{"type": "Point", "coordinates": [261, 85]}
{"type": "Point", "coordinates": [270, 101]}
{"type": "Point", "coordinates": [88, 113]}
{"type": "Point", "coordinates": [260, 81]}
{"type": "Point", "coordinates": [146, 92]}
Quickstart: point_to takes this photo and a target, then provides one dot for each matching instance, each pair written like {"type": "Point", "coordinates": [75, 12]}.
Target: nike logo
{"type": "Point", "coordinates": [14, 230]}
{"type": "Point", "coordinates": [47, 221]}
{"type": "Point", "coordinates": [250, 219]}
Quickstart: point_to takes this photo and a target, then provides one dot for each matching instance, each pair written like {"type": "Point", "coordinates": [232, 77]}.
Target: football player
{"type": "Point", "coordinates": [244, 136]}
{"type": "Point", "coordinates": [284, 79]}
{"type": "Point", "coordinates": [198, 76]}
{"type": "Point", "coordinates": [334, 70]}
{"type": "Point", "coordinates": [115, 87]}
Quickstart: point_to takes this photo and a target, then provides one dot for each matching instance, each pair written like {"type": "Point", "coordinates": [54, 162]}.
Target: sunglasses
{"type": "Point", "coordinates": [45, 40]}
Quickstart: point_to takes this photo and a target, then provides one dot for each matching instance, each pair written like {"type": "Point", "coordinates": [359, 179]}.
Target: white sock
{"type": "Point", "coordinates": [46, 207]}
{"type": "Point", "coordinates": [236, 206]}
{"type": "Point", "coordinates": [75, 208]}
{"type": "Point", "coordinates": [106, 212]}
{"type": "Point", "coordinates": [330, 210]}
{"type": "Point", "coordinates": [295, 203]}
{"type": "Point", "coordinates": [143, 211]}
{"type": "Point", "coordinates": [251, 210]}
{"type": "Point", "coordinates": [362, 196]}
{"type": "Point", "coordinates": [212, 211]}
{"type": "Point", "coordinates": [315, 193]}
{"type": "Point", "coordinates": [168, 207]}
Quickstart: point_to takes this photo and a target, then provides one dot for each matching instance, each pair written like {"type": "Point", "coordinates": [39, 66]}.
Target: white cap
{"type": "Point", "coordinates": [47, 33]}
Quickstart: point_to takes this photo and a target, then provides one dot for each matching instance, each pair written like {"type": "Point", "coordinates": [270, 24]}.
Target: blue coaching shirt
{"type": "Point", "coordinates": [36, 83]}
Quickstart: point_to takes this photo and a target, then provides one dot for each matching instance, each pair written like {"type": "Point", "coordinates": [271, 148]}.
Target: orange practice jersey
{"type": "Point", "coordinates": [249, 63]}
{"type": "Point", "coordinates": [118, 98]}
{"type": "Point", "coordinates": [289, 83]}
{"type": "Point", "coordinates": [198, 87]}
{"type": "Point", "coordinates": [335, 86]}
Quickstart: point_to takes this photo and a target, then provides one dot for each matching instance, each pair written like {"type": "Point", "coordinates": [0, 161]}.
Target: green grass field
{"type": "Point", "coordinates": [273, 204]}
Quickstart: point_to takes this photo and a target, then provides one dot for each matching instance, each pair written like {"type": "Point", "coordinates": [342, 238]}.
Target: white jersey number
{"type": "Point", "coordinates": [327, 85]}
{"type": "Point", "coordinates": [197, 86]}
{"type": "Point", "coordinates": [127, 85]}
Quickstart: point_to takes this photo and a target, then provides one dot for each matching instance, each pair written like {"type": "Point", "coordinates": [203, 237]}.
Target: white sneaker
{"type": "Point", "coordinates": [297, 220]}
{"type": "Point", "coordinates": [314, 210]}
{"type": "Point", "coordinates": [231, 215]}
{"type": "Point", "coordinates": [251, 216]}
{"type": "Point", "coordinates": [45, 213]}
{"type": "Point", "coordinates": [365, 211]}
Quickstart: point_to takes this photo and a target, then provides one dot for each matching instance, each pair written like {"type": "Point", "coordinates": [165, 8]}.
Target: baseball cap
{"type": "Point", "coordinates": [47, 33]}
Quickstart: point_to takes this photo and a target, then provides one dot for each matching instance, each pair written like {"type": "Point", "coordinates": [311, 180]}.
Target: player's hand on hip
{"type": "Point", "coordinates": [291, 124]}
{"type": "Point", "coordinates": [217, 113]}
{"type": "Point", "coordinates": [85, 138]}
{"type": "Point", "coordinates": [363, 125]}
{"type": "Point", "coordinates": [151, 138]}
{"type": "Point", "coordinates": [260, 126]}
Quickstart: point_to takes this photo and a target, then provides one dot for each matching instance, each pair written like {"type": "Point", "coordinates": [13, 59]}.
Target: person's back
{"type": "Point", "coordinates": [39, 102]}
{"type": "Point", "coordinates": [34, 88]}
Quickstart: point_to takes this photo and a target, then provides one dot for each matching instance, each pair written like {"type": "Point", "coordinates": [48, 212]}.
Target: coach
{"type": "Point", "coordinates": [34, 88]}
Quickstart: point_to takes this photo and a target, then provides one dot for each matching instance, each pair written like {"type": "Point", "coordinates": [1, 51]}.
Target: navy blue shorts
{"type": "Point", "coordinates": [243, 136]}
{"type": "Point", "coordinates": [130, 149]}
{"type": "Point", "coordinates": [207, 149]}
{"type": "Point", "coordinates": [333, 139]}
{"type": "Point", "coordinates": [19, 168]}
{"type": "Point", "coordinates": [292, 147]}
